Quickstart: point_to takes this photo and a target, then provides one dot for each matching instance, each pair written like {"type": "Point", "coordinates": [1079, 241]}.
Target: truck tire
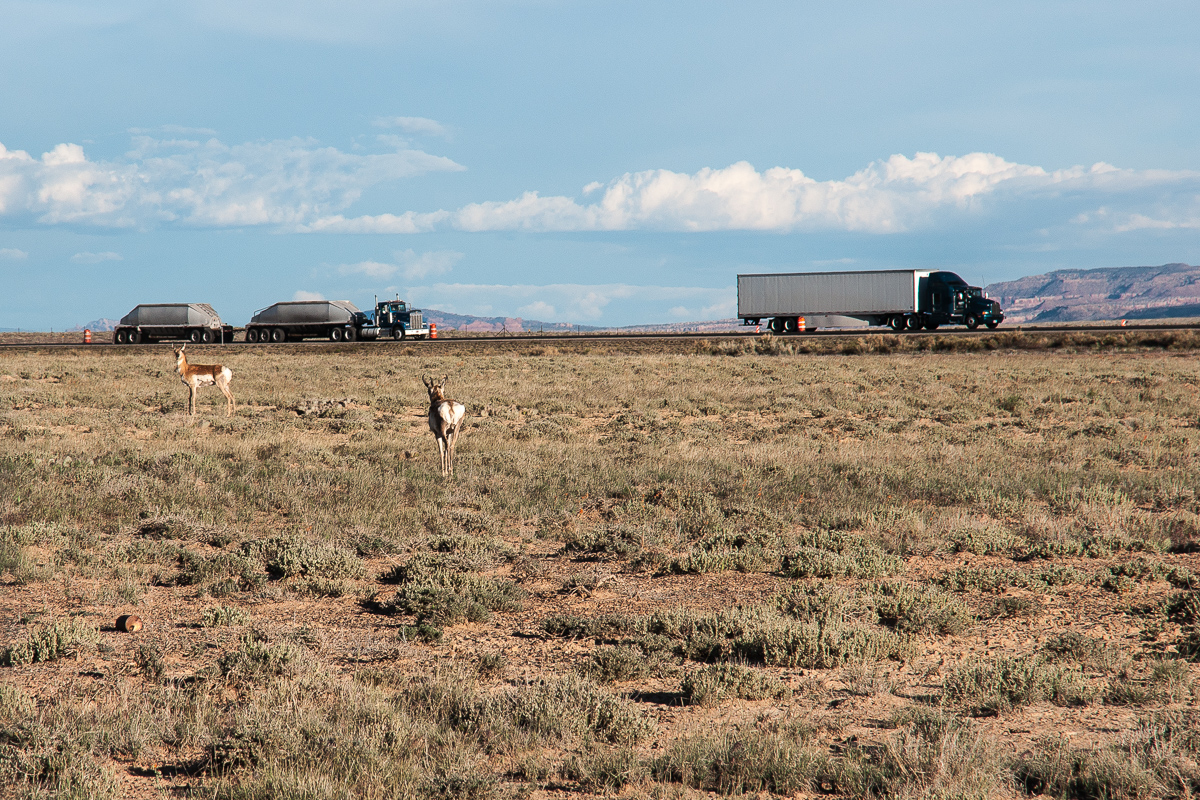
{"type": "Point", "coordinates": [278, 335]}
{"type": "Point", "coordinates": [914, 322]}
{"type": "Point", "coordinates": [897, 323]}
{"type": "Point", "coordinates": [775, 325]}
{"type": "Point", "coordinates": [252, 335]}
{"type": "Point", "coordinates": [135, 337]}
{"type": "Point", "coordinates": [349, 334]}
{"type": "Point", "coordinates": [206, 336]}
{"type": "Point", "coordinates": [398, 334]}
{"type": "Point", "coordinates": [972, 322]}
{"type": "Point", "coordinates": [791, 325]}
{"type": "Point", "coordinates": [992, 323]}
{"type": "Point", "coordinates": [930, 325]}
{"type": "Point", "coordinates": [194, 336]}
{"type": "Point", "coordinates": [335, 335]}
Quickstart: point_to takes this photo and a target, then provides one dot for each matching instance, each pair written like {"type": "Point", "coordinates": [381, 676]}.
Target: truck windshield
{"type": "Point", "coordinates": [950, 279]}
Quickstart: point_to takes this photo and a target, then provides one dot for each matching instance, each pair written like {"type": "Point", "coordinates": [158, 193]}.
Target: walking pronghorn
{"type": "Point", "coordinates": [445, 420]}
{"type": "Point", "coordinates": [197, 375]}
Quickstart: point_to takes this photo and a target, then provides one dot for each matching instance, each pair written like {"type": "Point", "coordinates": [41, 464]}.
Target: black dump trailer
{"type": "Point", "coordinates": [905, 299]}
{"type": "Point", "coordinates": [335, 320]}
{"type": "Point", "coordinates": [193, 322]}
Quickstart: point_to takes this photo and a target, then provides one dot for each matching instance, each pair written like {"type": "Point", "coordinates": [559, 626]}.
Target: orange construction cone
{"type": "Point", "coordinates": [433, 330]}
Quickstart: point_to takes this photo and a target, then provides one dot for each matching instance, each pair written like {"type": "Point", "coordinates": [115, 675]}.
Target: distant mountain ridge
{"type": "Point", "coordinates": [1082, 295]}
{"type": "Point", "coordinates": [467, 322]}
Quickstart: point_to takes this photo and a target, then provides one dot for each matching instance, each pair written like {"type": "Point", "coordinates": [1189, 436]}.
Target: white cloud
{"type": "Point", "coordinates": [12, 254]}
{"type": "Point", "coordinates": [538, 309]}
{"type": "Point", "coordinates": [413, 125]}
{"type": "Point", "coordinates": [288, 184]}
{"type": "Point", "coordinates": [408, 222]}
{"type": "Point", "coordinates": [96, 258]}
{"type": "Point", "coordinates": [302, 295]}
{"type": "Point", "coordinates": [890, 196]}
{"type": "Point", "coordinates": [409, 263]}
{"type": "Point", "coordinates": [567, 301]}
{"type": "Point", "coordinates": [298, 185]}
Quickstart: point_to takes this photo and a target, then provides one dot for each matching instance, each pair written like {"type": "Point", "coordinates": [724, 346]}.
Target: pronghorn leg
{"type": "Point", "coordinates": [442, 450]}
{"type": "Point", "coordinates": [192, 401]}
{"type": "Point", "coordinates": [453, 445]}
{"type": "Point", "coordinates": [231, 405]}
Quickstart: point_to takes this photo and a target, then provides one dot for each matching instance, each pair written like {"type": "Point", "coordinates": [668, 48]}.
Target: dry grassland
{"type": "Point", "coordinates": [739, 570]}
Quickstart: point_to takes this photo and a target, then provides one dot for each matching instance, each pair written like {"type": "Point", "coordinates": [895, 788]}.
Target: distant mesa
{"type": "Point", "coordinates": [471, 324]}
{"type": "Point", "coordinates": [102, 324]}
{"type": "Point", "coordinates": [1086, 295]}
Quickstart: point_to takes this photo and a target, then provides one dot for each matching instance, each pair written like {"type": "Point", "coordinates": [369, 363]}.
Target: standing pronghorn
{"type": "Point", "coordinates": [445, 420]}
{"type": "Point", "coordinates": [197, 375]}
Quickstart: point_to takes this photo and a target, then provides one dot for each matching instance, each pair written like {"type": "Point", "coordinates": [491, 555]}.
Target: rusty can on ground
{"type": "Point", "coordinates": [129, 623]}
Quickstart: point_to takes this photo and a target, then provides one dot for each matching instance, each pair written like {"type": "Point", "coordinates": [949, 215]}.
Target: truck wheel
{"type": "Point", "coordinates": [335, 335]}
{"type": "Point", "coordinates": [914, 323]}
{"type": "Point", "coordinates": [775, 325]}
{"type": "Point", "coordinates": [135, 337]}
{"type": "Point", "coordinates": [992, 323]}
{"type": "Point", "coordinates": [207, 336]}
{"type": "Point", "coordinates": [398, 334]}
{"type": "Point", "coordinates": [348, 334]}
{"type": "Point", "coordinates": [972, 322]}
{"type": "Point", "coordinates": [278, 335]}
{"type": "Point", "coordinates": [897, 322]}
{"type": "Point", "coordinates": [252, 335]}
{"type": "Point", "coordinates": [194, 337]}
{"type": "Point", "coordinates": [790, 325]}
{"type": "Point", "coordinates": [930, 325]}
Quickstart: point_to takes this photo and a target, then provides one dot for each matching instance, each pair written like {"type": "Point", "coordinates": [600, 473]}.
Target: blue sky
{"type": "Point", "coordinates": [600, 163]}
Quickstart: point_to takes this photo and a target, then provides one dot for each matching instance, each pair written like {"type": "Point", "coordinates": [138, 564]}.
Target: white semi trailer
{"type": "Point", "coordinates": [905, 299]}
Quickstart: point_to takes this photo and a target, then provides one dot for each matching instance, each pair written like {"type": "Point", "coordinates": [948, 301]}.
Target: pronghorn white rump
{"type": "Point", "coordinates": [445, 420]}
{"type": "Point", "coordinates": [197, 375]}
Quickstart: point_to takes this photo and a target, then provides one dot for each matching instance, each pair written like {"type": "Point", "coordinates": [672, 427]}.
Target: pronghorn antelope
{"type": "Point", "coordinates": [445, 420]}
{"type": "Point", "coordinates": [197, 375]}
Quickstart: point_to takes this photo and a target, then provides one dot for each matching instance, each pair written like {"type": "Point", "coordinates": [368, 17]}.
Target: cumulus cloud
{"type": "Point", "coordinates": [298, 185]}
{"type": "Point", "coordinates": [302, 295]}
{"type": "Point", "coordinates": [12, 254]}
{"type": "Point", "coordinates": [291, 184]}
{"type": "Point", "coordinates": [894, 195]}
{"type": "Point", "coordinates": [416, 125]}
{"type": "Point", "coordinates": [408, 263]}
{"type": "Point", "coordinates": [96, 258]}
{"type": "Point", "coordinates": [568, 301]}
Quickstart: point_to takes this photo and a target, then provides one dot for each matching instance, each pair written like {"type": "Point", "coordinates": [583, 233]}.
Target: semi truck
{"type": "Point", "coordinates": [194, 322]}
{"type": "Point", "coordinates": [336, 320]}
{"type": "Point", "coordinates": [905, 299]}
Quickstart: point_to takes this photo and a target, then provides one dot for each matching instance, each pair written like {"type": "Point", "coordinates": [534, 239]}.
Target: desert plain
{"type": "Point", "coordinates": [859, 569]}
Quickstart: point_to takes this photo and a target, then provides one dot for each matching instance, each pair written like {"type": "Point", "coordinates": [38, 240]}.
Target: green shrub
{"type": "Point", "coordinates": [910, 608]}
{"type": "Point", "coordinates": [710, 685]}
{"type": "Point", "coordinates": [623, 663]}
{"type": "Point", "coordinates": [288, 556]}
{"type": "Point", "coordinates": [223, 616]}
{"type": "Point", "coordinates": [60, 639]}
{"type": "Point", "coordinates": [743, 762]}
{"type": "Point", "coordinates": [994, 686]}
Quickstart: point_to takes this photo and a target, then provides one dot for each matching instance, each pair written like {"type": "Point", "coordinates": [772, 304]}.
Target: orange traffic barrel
{"type": "Point", "coordinates": [87, 336]}
{"type": "Point", "coordinates": [800, 325]}
{"type": "Point", "coordinates": [433, 330]}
